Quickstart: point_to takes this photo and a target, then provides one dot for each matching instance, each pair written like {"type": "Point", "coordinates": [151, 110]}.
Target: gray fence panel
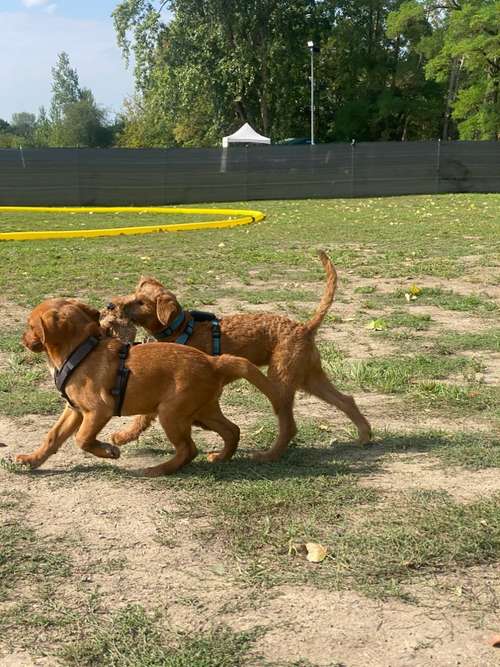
{"type": "Point", "coordinates": [170, 176]}
{"type": "Point", "coordinates": [470, 166]}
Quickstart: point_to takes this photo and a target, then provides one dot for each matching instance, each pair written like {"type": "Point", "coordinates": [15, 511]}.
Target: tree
{"type": "Point", "coordinates": [65, 87]}
{"type": "Point", "coordinates": [75, 117]}
{"type": "Point", "coordinates": [461, 47]}
{"type": "Point", "coordinates": [23, 124]}
{"type": "Point", "coordinates": [219, 63]}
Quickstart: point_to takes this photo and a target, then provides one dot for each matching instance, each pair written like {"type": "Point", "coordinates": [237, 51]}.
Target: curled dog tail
{"type": "Point", "coordinates": [328, 294]}
{"type": "Point", "coordinates": [235, 368]}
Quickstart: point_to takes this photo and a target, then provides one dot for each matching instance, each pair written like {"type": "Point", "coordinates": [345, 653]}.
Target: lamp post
{"type": "Point", "coordinates": [313, 49]}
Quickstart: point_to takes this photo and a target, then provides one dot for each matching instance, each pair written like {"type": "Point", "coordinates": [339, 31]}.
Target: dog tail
{"type": "Point", "coordinates": [328, 294]}
{"type": "Point", "coordinates": [234, 368]}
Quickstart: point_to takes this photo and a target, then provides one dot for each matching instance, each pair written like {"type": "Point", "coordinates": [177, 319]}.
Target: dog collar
{"type": "Point", "coordinates": [169, 331]}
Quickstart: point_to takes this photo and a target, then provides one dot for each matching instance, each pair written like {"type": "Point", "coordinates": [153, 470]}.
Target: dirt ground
{"type": "Point", "coordinates": [107, 519]}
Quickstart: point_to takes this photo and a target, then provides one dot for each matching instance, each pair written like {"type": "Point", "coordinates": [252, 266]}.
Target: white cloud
{"type": "Point", "coordinates": [28, 50]}
{"type": "Point", "coordinates": [35, 3]}
{"type": "Point", "coordinates": [50, 9]}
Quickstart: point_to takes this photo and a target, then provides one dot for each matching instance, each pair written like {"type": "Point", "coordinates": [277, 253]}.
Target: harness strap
{"type": "Point", "coordinates": [196, 316]}
{"type": "Point", "coordinates": [216, 345]}
{"type": "Point", "coordinates": [169, 331]}
{"type": "Point", "coordinates": [122, 376]}
{"type": "Point", "coordinates": [186, 334]}
{"type": "Point", "coordinates": [63, 374]}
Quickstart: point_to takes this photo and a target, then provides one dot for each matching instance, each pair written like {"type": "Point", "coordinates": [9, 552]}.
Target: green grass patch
{"type": "Point", "coordinates": [393, 375]}
{"type": "Point", "coordinates": [20, 387]}
{"type": "Point", "coordinates": [424, 532]}
{"type": "Point", "coordinates": [450, 342]}
{"type": "Point", "coordinates": [450, 300]}
{"type": "Point", "coordinates": [24, 555]}
{"type": "Point", "coordinates": [133, 638]}
{"type": "Point", "coordinates": [472, 450]}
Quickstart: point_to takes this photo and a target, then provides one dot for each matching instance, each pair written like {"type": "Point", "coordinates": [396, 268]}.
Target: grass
{"type": "Point", "coordinates": [471, 450]}
{"type": "Point", "coordinates": [133, 638]}
{"type": "Point", "coordinates": [24, 556]}
{"type": "Point", "coordinates": [22, 387]}
{"type": "Point", "coordinates": [451, 342]}
{"type": "Point", "coordinates": [449, 300]}
{"type": "Point", "coordinates": [375, 545]}
{"type": "Point", "coordinates": [424, 532]}
{"type": "Point", "coordinates": [430, 242]}
{"type": "Point", "coordinates": [248, 514]}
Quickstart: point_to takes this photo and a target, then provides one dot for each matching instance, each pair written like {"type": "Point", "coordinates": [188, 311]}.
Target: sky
{"type": "Point", "coordinates": [33, 32]}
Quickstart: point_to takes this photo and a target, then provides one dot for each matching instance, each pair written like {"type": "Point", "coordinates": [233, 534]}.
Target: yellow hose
{"type": "Point", "coordinates": [246, 218]}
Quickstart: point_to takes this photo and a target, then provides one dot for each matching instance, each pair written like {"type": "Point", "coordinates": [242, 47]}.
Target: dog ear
{"type": "Point", "coordinates": [91, 312]}
{"type": "Point", "coordinates": [165, 308]}
{"type": "Point", "coordinates": [88, 310]}
{"type": "Point", "coordinates": [46, 323]}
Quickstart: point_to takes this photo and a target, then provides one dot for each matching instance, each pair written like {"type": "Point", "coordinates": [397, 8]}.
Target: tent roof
{"type": "Point", "coordinates": [245, 135]}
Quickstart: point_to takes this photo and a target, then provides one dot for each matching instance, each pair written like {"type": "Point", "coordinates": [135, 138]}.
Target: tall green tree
{"type": "Point", "coordinates": [219, 63]}
{"type": "Point", "coordinates": [75, 117]}
{"type": "Point", "coordinates": [65, 87]}
{"type": "Point", "coordinates": [460, 43]}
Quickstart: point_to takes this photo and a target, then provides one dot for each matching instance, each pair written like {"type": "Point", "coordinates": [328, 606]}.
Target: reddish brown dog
{"type": "Point", "coordinates": [286, 346]}
{"type": "Point", "coordinates": [179, 384]}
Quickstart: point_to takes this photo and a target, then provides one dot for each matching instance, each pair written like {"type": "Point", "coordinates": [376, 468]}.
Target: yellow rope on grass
{"type": "Point", "coordinates": [245, 218]}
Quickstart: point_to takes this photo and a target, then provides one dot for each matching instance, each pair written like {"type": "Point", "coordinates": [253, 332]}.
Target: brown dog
{"type": "Point", "coordinates": [179, 384]}
{"type": "Point", "coordinates": [286, 346]}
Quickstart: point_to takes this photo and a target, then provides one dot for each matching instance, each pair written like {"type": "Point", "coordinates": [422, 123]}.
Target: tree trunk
{"type": "Point", "coordinates": [456, 66]}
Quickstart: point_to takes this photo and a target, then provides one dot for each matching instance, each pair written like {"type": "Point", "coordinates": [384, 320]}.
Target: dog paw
{"type": "Point", "coordinates": [111, 451]}
{"type": "Point", "coordinates": [265, 457]}
{"type": "Point", "coordinates": [26, 460]}
{"type": "Point", "coordinates": [365, 440]}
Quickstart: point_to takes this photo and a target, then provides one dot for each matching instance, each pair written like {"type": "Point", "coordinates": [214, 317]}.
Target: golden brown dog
{"type": "Point", "coordinates": [179, 384]}
{"type": "Point", "coordinates": [286, 346]}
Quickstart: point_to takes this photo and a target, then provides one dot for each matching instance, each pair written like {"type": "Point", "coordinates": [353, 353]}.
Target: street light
{"type": "Point", "coordinates": [313, 49]}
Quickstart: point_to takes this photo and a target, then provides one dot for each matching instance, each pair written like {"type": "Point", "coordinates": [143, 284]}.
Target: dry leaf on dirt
{"type": "Point", "coordinates": [495, 641]}
{"type": "Point", "coordinates": [315, 552]}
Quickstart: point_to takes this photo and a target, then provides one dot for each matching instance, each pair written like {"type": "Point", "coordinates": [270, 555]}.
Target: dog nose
{"type": "Point", "coordinates": [110, 306]}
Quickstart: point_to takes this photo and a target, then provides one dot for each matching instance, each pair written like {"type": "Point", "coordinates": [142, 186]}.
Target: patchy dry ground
{"type": "Point", "coordinates": [100, 566]}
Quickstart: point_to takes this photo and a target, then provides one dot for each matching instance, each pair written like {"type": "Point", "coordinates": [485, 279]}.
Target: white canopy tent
{"type": "Point", "coordinates": [245, 135]}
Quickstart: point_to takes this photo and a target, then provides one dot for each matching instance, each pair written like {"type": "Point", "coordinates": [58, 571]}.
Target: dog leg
{"type": "Point", "coordinates": [86, 436]}
{"type": "Point", "coordinates": [179, 435]}
{"type": "Point", "coordinates": [64, 427]}
{"type": "Point", "coordinates": [319, 385]}
{"type": "Point", "coordinates": [287, 431]}
{"type": "Point", "coordinates": [139, 424]}
{"type": "Point", "coordinates": [213, 419]}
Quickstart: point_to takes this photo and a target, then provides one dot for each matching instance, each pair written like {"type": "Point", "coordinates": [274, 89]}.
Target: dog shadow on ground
{"type": "Point", "coordinates": [340, 458]}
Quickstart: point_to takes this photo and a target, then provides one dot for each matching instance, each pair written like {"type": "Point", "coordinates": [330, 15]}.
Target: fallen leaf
{"type": "Point", "coordinates": [495, 641]}
{"type": "Point", "coordinates": [315, 552]}
{"type": "Point", "coordinates": [378, 325]}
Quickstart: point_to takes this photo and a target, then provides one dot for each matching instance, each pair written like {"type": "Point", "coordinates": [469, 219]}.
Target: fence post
{"type": "Point", "coordinates": [353, 173]}
{"type": "Point", "coordinates": [438, 165]}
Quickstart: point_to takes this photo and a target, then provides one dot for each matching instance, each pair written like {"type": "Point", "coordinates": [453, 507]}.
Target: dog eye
{"type": "Point", "coordinates": [140, 303]}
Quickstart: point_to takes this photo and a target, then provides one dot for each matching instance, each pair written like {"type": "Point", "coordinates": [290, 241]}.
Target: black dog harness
{"type": "Point", "coordinates": [63, 374]}
{"type": "Point", "coordinates": [193, 317]}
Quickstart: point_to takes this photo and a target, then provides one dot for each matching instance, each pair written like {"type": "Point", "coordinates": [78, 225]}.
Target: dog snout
{"type": "Point", "coordinates": [31, 342]}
